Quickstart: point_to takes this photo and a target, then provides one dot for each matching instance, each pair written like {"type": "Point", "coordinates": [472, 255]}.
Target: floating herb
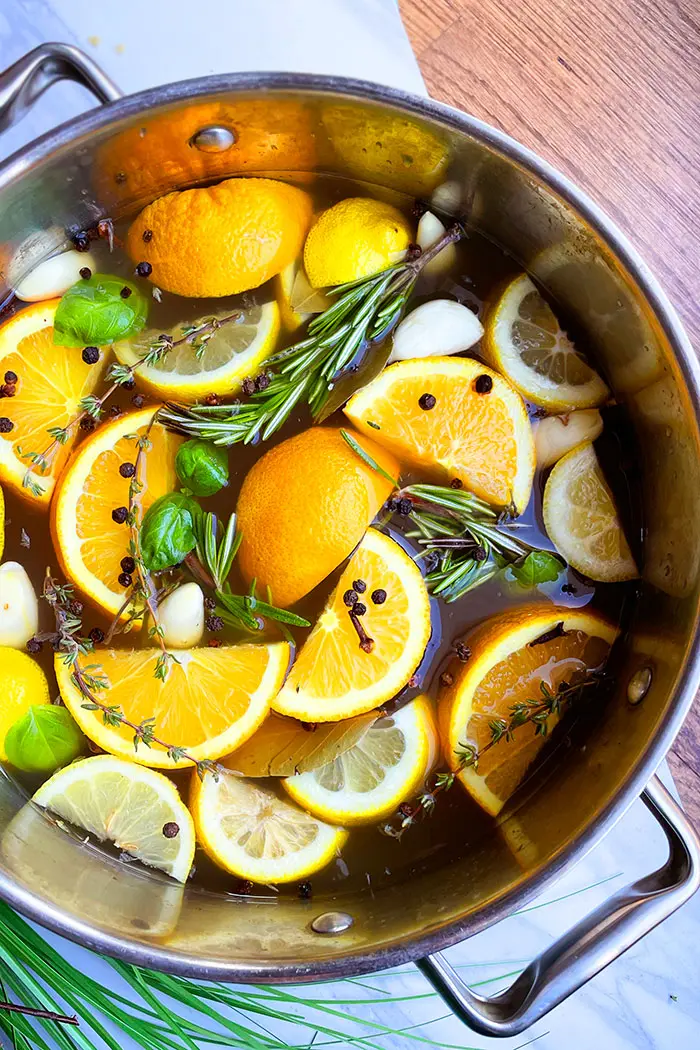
{"type": "Point", "coordinates": [365, 456]}
{"type": "Point", "coordinates": [97, 312]}
{"type": "Point", "coordinates": [202, 467]}
{"type": "Point", "coordinates": [44, 739]}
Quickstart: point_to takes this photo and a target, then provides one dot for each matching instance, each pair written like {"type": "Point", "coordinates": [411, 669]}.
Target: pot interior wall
{"type": "Point", "coordinates": [112, 168]}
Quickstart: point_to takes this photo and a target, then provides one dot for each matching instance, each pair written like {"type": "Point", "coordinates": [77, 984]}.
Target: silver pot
{"type": "Point", "coordinates": [115, 159]}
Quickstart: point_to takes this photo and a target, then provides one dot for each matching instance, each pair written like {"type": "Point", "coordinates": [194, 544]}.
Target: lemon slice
{"type": "Point", "coordinates": [523, 339]}
{"type": "Point", "coordinates": [370, 780]}
{"type": "Point", "coordinates": [582, 521]}
{"type": "Point", "coordinates": [135, 808]}
{"type": "Point", "coordinates": [252, 833]}
{"type": "Point", "coordinates": [296, 299]}
{"type": "Point", "coordinates": [234, 351]}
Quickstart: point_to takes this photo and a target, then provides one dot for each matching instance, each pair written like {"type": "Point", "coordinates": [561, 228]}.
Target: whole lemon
{"type": "Point", "coordinates": [23, 685]}
{"type": "Point", "coordinates": [353, 239]}
{"type": "Point", "coordinates": [304, 507]}
{"type": "Point", "coordinates": [223, 239]}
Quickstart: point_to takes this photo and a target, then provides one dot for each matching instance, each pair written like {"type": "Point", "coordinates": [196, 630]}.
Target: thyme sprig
{"type": "Point", "coordinates": [464, 541]}
{"type": "Point", "coordinates": [90, 406]}
{"type": "Point", "coordinates": [364, 312]}
{"type": "Point", "coordinates": [535, 711]}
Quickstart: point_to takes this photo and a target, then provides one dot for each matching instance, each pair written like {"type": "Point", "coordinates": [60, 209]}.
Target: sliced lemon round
{"type": "Point", "coordinates": [251, 832]}
{"type": "Point", "coordinates": [338, 673]}
{"type": "Point", "coordinates": [135, 808]}
{"type": "Point", "coordinates": [524, 340]}
{"type": "Point", "coordinates": [217, 365]}
{"type": "Point", "coordinates": [370, 780]}
{"type": "Point", "coordinates": [506, 669]}
{"type": "Point", "coordinates": [582, 520]}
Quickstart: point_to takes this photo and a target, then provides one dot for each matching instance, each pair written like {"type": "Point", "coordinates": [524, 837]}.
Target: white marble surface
{"type": "Point", "coordinates": [649, 999]}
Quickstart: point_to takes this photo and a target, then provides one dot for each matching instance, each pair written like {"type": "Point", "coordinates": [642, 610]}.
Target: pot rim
{"type": "Point", "coordinates": [368, 961]}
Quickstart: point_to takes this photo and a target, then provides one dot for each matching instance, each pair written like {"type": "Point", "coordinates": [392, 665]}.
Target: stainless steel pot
{"type": "Point", "coordinates": [118, 157]}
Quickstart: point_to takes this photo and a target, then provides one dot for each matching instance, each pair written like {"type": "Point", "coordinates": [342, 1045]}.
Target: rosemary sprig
{"type": "Point", "coordinates": [90, 407]}
{"type": "Point", "coordinates": [464, 540]}
{"type": "Point", "coordinates": [212, 562]}
{"type": "Point", "coordinates": [91, 681]}
{"type": "Point", "coordinates": [363, 314]}
{"type": "Point", "coordinates": [533, 711]}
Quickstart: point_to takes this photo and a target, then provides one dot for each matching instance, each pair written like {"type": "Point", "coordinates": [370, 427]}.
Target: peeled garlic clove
{"type": "Point", "coordinates": [54, 276]}
{"type": "Point", "coordinates": [19, 606]}
{"type": "Point", "coordinates": [429, 232]}
{"type": "Point", "coordinates": [557, 435]}
{"type": "Point", "coordinates": [181, 615]}
{"type": "Point", "coordinates": [436, 329]}
{"type": "Point", "coordinates": [447, 197]}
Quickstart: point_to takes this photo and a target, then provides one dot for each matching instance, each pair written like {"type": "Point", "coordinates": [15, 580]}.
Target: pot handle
{"type": "Point", "coordinates": [591, 944]}
{"type": "Point", "coordinates": [25, 81]}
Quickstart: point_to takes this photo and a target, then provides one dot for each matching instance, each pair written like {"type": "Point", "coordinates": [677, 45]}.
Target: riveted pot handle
{"type": "Point", "coordinates": [23, 83]}
{"type": "Point", "coordinates": [591, 944]}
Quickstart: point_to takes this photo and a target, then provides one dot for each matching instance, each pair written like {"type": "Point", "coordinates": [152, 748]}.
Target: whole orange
{"type": "Point", "coordinates": [223, 239]}
{"type": "Point", "coordinates": [304, 507]}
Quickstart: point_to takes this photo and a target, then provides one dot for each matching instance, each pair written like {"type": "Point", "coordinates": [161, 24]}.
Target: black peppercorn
{"type": "Point", "coordinates": [138, 400]}
{"type": "Point", "coordinates": [87, 423]}
{"type": "Point", "coordinates": [305, 890]}
{"type": "Point", "coordinates": [85, 272]}
{"type": "Point", "coordinates": [407, 810]}
{"type": "Point", "coordinates": [34, 645]}
{"type": "Point", "coordinates": [309, 727]}
{"type": "Point", "coordinates": [446, 679]}
{"type": "Point", "coordinates": [214, 623]}
{"type": "Point", "coordinates": [414, 251]}
{"type": "Point", "coordinates": [120, 514]}
{"type": "Point", "coordinates": [480, 554]}
{"type": "Point", "coordinates": [262, 381]}
{"type": "Point", "coordinates": [127, 564]}
{"type": "Point", "coordinates": [125, 292]}
{"type": "Point", "coordinates": [209, 603]}
{"type": "Point", "coordinates": [212, 399]}
{"type": "Point", "coordinates": [144, 269]}
{"type": "Point", "coordinates": [359, 608]}
{"type": "Point", "coordinates": [11, 378]}
{"type": "Point", "coordinates": [248, 387]}
{"type": "Point", "coordinates": [127, 470]}
{"type": "Point", "coordinates": [147, 235]}
{"type": "Point", "coordinates": [483, 384]}
{"type": "Point", "coordinates": [125, 579]}
{"type": "Point", "coordinates": [6, 425]}
{"type": "Point", "coordinates": [129, 385]}
{"type": "Point", "coordinates": [171, 830]}
{"type": "Point", "coordinates": [244, 887]}
{"type": "Point", "coordinates": [8, 390]}
{"type": "Point", "coordinates": [360, 586]}
{"type": "Point", "coordinates": [91, 355]}
{"type": "Point", "coordinates": [115, 411]}
{"type": "Point", "coordinates": [76, 607]}
{"type": "Point", "coordinates": [568, 588]}
{"type": "Point", "coordinates": [392, 504]}
{"type": "Point", "coordinates": [456, 483]}
{"type": "Point", "coordinates": [96, 636]}
{"type": "Point", "coordinates": [350, 597]}
{"type": "Point", "coordinates": [404, 506]}
{"type": "Point", "coordinates": [463, 651]}
{"type": "Point", "coordinates": [81, 241]}
{"type": "Point", "coordinates": [378, 596]}
{"type": "Point", "coordinates": [427, 401]}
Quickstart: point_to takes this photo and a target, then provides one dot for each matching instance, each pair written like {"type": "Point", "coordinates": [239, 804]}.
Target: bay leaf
{"type": "Point", "coordinates": [282, 747]}
{"type": "Point", "coordinates": [372, 361]}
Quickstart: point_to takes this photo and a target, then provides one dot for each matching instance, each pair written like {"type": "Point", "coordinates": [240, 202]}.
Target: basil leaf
{"type": "Point", "coordinates": [94, 312]}
{"type": "Point", "coordinates": [202, 467]}
{"type": "Point", "coordinates": [168, 531]}
{"type": "Point", "coordinates": [537, 567]}
{"type": "Point", "coordinates": [44, 739]}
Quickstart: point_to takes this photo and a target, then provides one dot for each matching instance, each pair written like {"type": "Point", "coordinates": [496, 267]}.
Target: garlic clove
{"type": "Point", "coordinates": [447, 197]}
{"type": "Point", "coordinates": [181, 615]}
{"type": "Point", "coordinates": [436, 329]}
{"type": "Point", "coordinates": [429, 232]}
{"type": "Point", "coordinates": [54, 276]}
{"type": "Point", "coordinates": [19, 606]}
{"type": "Point", "coordinates": [557, 435]}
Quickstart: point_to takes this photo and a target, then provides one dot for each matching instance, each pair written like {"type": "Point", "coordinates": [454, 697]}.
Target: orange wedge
{"type": "Point", "coordinates": [508, 665]}
{"type": "Point", "coordinates": [51, 381]}
{"type": "Point", "coordinates": [477, 430]}
{"type": "Point", "coordinates": [88, 542]}
{"type": "Point", "coordinates": [211, 701]}
{"type": "Point", "coordinates": [333, 677]}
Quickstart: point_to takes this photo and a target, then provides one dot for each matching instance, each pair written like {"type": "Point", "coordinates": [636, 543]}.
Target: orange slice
{"type": "Point", "coordinates": [482, 438]}
{"type": "Point", "coordinates": [51, 381]}
{"type": "Point", "coordinates": [508, 666]}
{"type": "Point", "coordinates": [333, 677]}
{"type": "Point", "coordinates": [211, 701]}
{"type": "Point", "coordinates": [88, 542]}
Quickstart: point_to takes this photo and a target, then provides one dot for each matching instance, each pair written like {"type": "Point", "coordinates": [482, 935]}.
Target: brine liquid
{"type": "Point", "coordinates": [370, 859]}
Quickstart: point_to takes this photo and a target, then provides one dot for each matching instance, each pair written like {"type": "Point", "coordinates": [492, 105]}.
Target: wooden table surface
{"type": "Point", "coordinates": [609, 92]}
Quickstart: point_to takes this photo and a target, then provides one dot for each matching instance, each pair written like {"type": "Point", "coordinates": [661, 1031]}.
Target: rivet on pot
{"type": "Point", "coordinates": [213, 139]}
{"type": "Point", "coordinates": [332, 922]}
{"type": "Point", "coordinates": [638, 685]}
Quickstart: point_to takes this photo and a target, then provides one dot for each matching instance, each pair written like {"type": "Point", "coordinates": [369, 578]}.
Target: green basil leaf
{"type": "Point", "coordinates": [537, 567]}
{"type": "Point", "coordinates": [168, 531]}
{"type": "Point", "coordinates": [94, 312]}
{"type": "Point", "coordinates": [44, 739]}
{"type": "Point", "coordinates": [202, 467]}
